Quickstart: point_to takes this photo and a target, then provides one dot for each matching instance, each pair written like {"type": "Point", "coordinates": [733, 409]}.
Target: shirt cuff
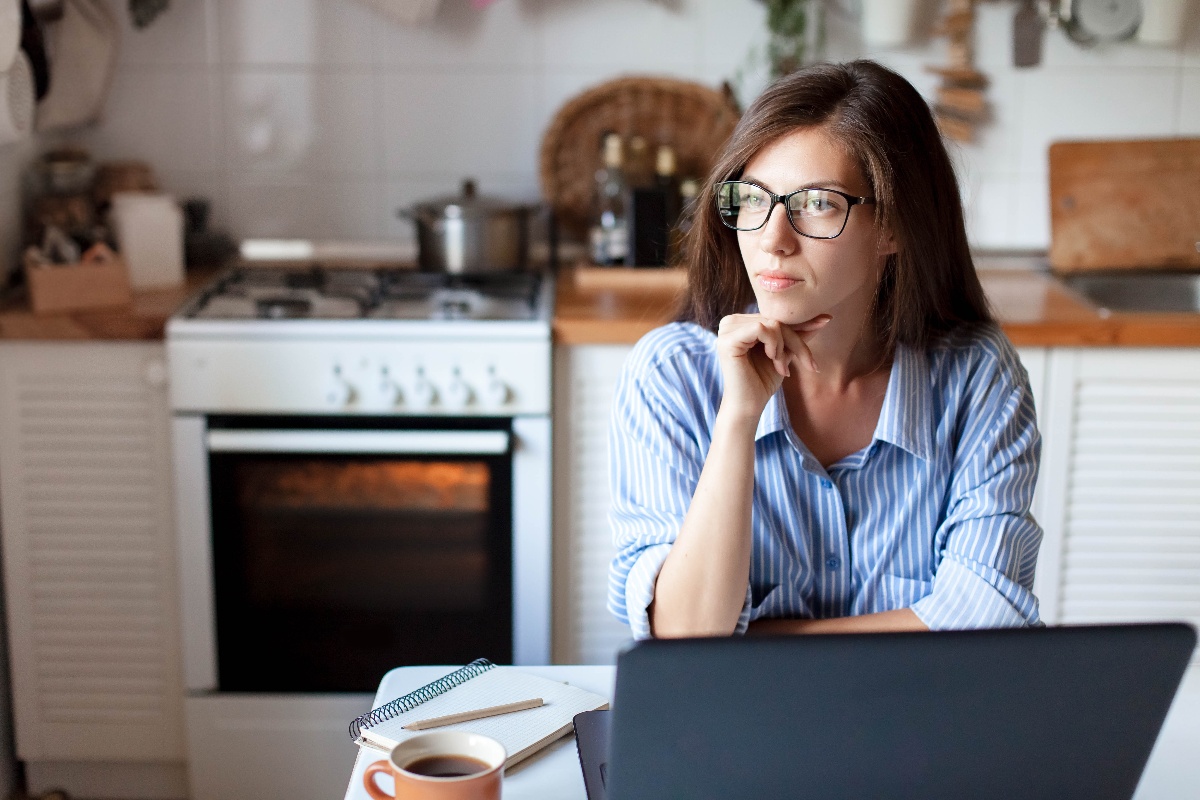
{"type": "Point", "coordinates": [639, 591]}
{"type": "Point", "coordinates": [963, 599]}
{"type": "Point", "coordinates": [639, 587]}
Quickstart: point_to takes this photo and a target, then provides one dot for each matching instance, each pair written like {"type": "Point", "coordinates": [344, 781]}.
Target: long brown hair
{"type": "Point", "coordinates": [929, 286]}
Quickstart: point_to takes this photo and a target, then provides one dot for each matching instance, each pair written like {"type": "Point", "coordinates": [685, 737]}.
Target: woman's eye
{"type": "Point", "coordinates": [817, 204]}
{"type": "Point", "coordinates": [751, 200]}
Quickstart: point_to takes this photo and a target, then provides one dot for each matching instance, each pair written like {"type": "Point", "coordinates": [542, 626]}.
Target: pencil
{"type": "Point", "coordinates": [467, 716]}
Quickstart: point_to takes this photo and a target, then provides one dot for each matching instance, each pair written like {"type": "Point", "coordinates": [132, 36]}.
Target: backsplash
{"type": "Point", "coordinates": [320, 117]}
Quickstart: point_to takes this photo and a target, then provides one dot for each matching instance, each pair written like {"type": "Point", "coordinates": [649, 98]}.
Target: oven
{"type": "Point", "coordinates": [353, 494]}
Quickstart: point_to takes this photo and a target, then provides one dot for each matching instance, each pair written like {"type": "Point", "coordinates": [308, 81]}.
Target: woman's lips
{"type": "Point", "coordinates": [776, 281]}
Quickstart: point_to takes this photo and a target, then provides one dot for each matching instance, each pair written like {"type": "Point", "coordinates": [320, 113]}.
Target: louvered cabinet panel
{"type": "Point", "coordinates": [1035, 360]}
{"type": "Point", "coordinates": [584, 631]}
{"type": "Point", "coordinates": [89, 559]}
{"type": "Point", "coordinates": [1126, 458]}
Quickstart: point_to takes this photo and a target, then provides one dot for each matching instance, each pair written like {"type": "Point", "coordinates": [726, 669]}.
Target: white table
{"type": "Point", "coordinates": [1171, 774]}
{"type": "Point", "coordinates": [552, 773]}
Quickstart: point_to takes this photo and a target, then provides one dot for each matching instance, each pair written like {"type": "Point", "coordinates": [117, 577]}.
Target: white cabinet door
{"type": "Point", "coordinates": [584, 631]}
{"type": "Point", "coordinates": [89, 560]}
{"type": "Point", "coordinates": [1121, 479]}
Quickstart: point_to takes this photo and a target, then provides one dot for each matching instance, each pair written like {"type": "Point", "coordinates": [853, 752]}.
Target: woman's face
{"type": "Point", "coordinates": [796, 278]}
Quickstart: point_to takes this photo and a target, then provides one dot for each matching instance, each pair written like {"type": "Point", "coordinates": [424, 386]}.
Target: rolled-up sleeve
{"type": "Point", "coordinates": [656, 452]}
{"type": "Point", "coordinates": [987, 543]}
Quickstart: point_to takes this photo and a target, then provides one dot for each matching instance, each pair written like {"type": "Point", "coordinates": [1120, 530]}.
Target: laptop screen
{"type": "Point", "coordinates": [1060, 712]}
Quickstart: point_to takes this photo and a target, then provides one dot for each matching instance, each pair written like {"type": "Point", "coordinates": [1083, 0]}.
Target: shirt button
{"type": "Point", "coordinates": [832, 563]}
{"type": "Point", "coordinates": [826, 483]}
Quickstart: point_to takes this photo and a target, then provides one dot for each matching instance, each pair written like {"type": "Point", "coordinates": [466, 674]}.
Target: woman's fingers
{"type": "Point", "coordinates": [794, 339]}
{"type": "Point", "coordinates": [781, 344]}
{"type": "Point", "coordinates": [741, 333]}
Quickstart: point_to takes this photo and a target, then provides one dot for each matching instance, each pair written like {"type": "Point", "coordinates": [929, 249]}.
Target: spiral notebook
{"type": "Point", "coordinates": [482, 684]}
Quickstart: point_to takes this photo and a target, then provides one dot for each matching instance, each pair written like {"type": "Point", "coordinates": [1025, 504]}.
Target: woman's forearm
{"type": "Point", "coordinates": [901, 619]}
{"type": "Point", "coordinates": [702, 585]}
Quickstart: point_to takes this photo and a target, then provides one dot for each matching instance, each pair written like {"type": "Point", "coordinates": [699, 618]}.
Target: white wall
{"type": "Point", "coordinates": [320, 117]}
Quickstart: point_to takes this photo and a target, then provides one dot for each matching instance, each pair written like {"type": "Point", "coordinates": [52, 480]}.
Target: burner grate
{"type": "Point", "coordinates": [386, 293]}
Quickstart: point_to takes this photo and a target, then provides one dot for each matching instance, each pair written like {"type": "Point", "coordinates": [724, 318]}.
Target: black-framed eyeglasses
{"type": "Point", "coordinates": [815, 213]}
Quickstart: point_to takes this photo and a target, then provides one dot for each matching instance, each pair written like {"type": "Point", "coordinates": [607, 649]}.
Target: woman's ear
{"type": "Point", "coordinates": [887, 243]}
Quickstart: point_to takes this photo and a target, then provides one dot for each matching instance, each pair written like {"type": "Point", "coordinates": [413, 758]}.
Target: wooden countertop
{"type": "Point", "coordinates": [618, 305]}
{"type": "Point", "coordinates": [143, 319]}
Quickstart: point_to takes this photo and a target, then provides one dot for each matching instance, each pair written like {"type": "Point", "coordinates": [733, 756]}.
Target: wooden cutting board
{"type": "Point", "coordinates": [1125, 205]}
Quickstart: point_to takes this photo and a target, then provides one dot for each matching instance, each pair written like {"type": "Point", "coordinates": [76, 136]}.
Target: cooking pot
{"type": "Point", "coordinates": [468, 234]}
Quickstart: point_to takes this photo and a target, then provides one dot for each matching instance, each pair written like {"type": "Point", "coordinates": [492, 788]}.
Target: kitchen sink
{"type": "Point", "coordinates": [1140, 291]}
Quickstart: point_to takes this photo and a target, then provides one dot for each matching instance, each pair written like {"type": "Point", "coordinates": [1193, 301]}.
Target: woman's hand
{"type": "Point", "coordinates": [756, 354]}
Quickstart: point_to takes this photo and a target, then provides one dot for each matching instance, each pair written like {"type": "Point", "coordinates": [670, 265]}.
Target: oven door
{"type": "Point", "coordinates": [340, 551]}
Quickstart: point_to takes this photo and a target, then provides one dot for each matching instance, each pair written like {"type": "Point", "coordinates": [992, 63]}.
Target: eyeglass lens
{"type": "Point", "coordinates": [814, 212]}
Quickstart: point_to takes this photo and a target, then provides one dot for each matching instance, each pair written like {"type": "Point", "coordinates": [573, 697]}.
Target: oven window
{"type": "Point", "coordinates": [332, 569]}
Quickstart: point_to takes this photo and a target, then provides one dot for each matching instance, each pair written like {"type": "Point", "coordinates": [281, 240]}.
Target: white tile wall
{"type": "Point", "coordinates": [321, 117]}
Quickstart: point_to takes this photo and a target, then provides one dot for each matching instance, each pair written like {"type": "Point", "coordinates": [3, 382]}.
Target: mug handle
{"type": "Point", "coordinates": [369, 780]}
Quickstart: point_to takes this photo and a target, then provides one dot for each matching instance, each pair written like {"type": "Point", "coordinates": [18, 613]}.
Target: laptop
{"type": "Point", "coordinates": [1060, 712]}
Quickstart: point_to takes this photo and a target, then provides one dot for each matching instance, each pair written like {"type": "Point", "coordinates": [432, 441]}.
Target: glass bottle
{"type": "Point", "coordinates": [689, 189]}
{"type": "Point", "coordinates": [609, 232]}
{"type": "Point", "coordinates": [666, 180]}
{"type": "Point", "coordinates": [639, 170]}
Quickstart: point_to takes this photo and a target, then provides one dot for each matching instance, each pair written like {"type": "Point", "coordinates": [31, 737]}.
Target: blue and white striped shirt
{"type": "Point", "coordinates": [933, 515]}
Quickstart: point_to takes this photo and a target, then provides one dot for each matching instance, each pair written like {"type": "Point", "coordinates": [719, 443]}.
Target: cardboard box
{"type": "Point", "coordinates": [71, 287]}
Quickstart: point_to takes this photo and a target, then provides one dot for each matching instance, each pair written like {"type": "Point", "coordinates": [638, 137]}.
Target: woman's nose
{"type": "Point", "coordinates": [778, 236]}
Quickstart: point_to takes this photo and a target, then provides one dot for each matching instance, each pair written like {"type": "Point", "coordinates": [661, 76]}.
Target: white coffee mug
{"type": "Point", "coordinates": [1162, 21]}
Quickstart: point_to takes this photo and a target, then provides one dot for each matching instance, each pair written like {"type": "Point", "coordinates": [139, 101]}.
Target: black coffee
{"type": "Point", "coordinates": [448, 766]}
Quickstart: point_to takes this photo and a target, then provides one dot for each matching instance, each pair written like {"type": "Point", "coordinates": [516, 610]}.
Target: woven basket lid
{"type": "Point", "coordinates": [694, 119]}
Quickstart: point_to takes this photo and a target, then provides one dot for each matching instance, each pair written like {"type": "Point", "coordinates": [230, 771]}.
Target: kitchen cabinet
{"type": "Point", "coordinates": [1121, 485]}
{"type": "Point", "coordinates": [89, 565]}
{"type": "Point", "coordinates": [584, 380]}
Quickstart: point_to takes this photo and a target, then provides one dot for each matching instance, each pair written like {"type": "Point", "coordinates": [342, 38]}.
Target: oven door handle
{"type": "Point", "coordinates": [359, 442]}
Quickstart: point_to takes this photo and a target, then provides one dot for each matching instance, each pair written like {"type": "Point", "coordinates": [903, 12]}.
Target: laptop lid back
{"type": "Point", "coordinates": [1066, 712]}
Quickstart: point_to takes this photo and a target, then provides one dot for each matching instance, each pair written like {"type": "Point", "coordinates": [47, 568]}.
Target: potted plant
{"type": "Point", "coordinates": [795, 33]}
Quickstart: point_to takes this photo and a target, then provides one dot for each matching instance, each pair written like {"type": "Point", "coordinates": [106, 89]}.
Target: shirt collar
{"type": "Point", "coordinates": [906, 417]}
{"type": "Point", "coordinates": [773, 418]}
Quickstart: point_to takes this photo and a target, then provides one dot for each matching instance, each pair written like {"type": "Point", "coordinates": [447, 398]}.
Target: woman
{"type": "Point", "coordinates": [835, 436]}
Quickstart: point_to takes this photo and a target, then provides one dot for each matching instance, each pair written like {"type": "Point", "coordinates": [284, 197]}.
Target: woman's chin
{"type": "Point", "coordinates": [787, 315]}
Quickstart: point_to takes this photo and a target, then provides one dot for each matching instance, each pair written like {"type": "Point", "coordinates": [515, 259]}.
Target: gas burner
{"type": "Point", "coordinates": [283, 308]}
{"type": "Point", "coordinates": [313, 292]}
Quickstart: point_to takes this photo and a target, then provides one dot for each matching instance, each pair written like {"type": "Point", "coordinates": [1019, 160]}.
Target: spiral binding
{"type": "Point", "coordinates": [418, 696]}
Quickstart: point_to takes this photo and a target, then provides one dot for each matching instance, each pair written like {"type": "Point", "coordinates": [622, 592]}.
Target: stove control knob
{"type": "Point", "coordinates": [458, 393]}
{"type": "Point", "coordinates": [496, 393]}
{"type": "Point", "coordinates": [423, 394]}
{"type": "Point", "coordinates": [387, 393]}
{"type": "Point", "coordinates": [339, 393]}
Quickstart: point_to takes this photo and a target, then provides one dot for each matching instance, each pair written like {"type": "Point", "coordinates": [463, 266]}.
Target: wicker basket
{"type": "Point", "coordinates": [694, 119]}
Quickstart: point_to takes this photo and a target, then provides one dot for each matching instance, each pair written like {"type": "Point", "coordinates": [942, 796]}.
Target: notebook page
{"type": "Point", "coordinates": [521, 732]}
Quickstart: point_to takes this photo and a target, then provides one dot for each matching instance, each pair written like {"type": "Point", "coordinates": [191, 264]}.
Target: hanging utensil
{"type": "Point", "coordinates": [1028, 24]}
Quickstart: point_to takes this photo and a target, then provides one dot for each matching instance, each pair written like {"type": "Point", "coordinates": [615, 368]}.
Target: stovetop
{"type": "Point", "coordinates": [348, 293]}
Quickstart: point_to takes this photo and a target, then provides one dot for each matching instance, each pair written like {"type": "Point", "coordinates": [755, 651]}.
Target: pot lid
{"type": "Point", "coordinates": [1093, 21]}
{"type": "Point", "coordinates": [468, 203]}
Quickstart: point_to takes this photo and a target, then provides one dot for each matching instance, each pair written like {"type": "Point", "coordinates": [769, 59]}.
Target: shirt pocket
{"type": "Point", "coordinates": [897, 591]}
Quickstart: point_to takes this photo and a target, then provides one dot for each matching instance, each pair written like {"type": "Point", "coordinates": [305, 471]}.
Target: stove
{"type": "Point", "coordinates": [376, 340]}
{"type": "Point", "coordinates": [363, 481]}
